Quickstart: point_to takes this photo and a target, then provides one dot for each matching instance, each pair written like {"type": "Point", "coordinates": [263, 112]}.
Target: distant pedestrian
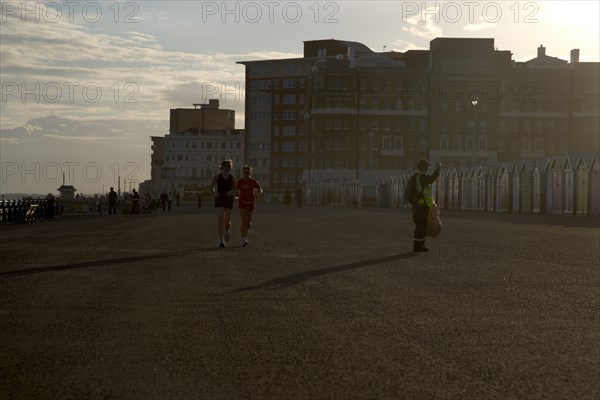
{"type": "Point", "coordinates": [199, 200]}
{"type": "Point", "coordinates": [223, 186]}
{"type": "Point", "coordinates": [50, 211]}
{"type": "Point", "coordinates": [287, 198]}
{"type": "Point", "coordinates": [112, 201]}
{"type": "Point", "coordinates": [246, 188]}
{"type": "Point", "coordinates": [135, 202]}
{"type": "Point", "coordinates": [421, 207]}
{"type": "Point", "coordinates": [177, 199]}
{"type": "Point", "coordinates": [299, 194]}
{"type": "Point", "coordinates": [163, 200]}
{"type": "Point", "coordinates": [169, 200]}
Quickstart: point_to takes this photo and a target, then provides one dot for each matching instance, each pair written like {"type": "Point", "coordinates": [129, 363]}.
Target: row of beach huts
{"type": "Point", "coordinates": [567, 184]}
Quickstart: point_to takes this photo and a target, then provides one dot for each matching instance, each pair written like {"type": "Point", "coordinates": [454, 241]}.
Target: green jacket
{"type": "Point", "coordinates": [423, 182]}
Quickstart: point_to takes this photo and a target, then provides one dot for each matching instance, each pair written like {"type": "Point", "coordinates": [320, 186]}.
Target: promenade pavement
{"type": "Point", "coordinates": [325, 303]}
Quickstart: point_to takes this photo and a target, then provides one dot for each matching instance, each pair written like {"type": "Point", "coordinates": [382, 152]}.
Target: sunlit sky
{"type": "Point", "coordinates": [85, 84]}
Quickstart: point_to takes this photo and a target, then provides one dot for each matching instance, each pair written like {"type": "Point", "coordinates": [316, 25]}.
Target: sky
{"type": "Point", "coordinates": [84, 84]}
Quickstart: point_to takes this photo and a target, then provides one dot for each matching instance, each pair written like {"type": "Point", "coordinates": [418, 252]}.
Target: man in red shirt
{"type": "Point", "coordinates": [245, 189]}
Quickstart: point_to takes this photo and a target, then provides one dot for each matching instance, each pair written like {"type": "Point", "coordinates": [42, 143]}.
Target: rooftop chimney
{"type": "Point", "coordinates": [541, 51]}
{"type": "Point", "coordinates": [574, 56]}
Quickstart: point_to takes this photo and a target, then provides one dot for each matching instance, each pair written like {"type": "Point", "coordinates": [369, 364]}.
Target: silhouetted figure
{"type": "Point", "coordinates": [287, 198]}
{"type": "Point", "coordinates": [177, 199]}
{"type": "Point", "coordinates": [421, 207]}
{"type": "Point", "coordinates": [112, 202]}
{"type": "Point", "coordinates": [246, 188]}
{"type": "Point", "coordinates": [135, 202]}
{"type": "Point", "coordinates": [223, 187]}
{"type": "Point", "coordinates": [163, 200]}
{"type": "Point", "coordinates": [200, 200]}
{"type": "Point", "coordinates": [169, 200]}
{"type": "Point", "coordinates": [299, 194]}
{"type": "Point", "coordinates": [50, 206]}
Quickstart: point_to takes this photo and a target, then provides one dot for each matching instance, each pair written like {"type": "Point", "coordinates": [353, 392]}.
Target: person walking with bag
{"type": "Point", "coordinates": [424, 200]}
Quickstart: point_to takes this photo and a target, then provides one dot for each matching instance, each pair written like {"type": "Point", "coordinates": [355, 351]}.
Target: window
{"type": "Point", "coordinates": [398, 143]}
{"type": "Point", "coordinates": [289, 130]}
{"type": "Point", "coordinates": [469, 143]}
{"type": "Point", "coordinates": [289, 99]}
{"type": "Point", "coordinates": [289, 115]}
{"type": "Point", "coordinates": [289, 83]}
{"type": "Point", "coordinates": [386, 143]}
{"type": "Point", "coordinates": [526, 145]}
{"type": "Point", "coordinates": [538, 145]}
{"type": "Point", "coordinates": [482, 126]}
{"type": "Point", "coordinates": [456, 142]}
{"type": "Point", "coordinates": [444, 142]}
{"type": "Point", "coordinates": [288, 146]}
{"type": "Point", "coordinates": [482, 145]}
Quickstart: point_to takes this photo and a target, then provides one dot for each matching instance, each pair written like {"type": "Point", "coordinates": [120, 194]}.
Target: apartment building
{"type": "Point", "coordinates": [343, 111]}
{"type": "Point", "coordinates": [275, 128]}
{"type": "Point", "coordinates": [191, 157]}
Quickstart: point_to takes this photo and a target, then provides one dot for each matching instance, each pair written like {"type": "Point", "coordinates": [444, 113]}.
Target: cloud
{"type": "Point", "coordinates": [404, 45]}
{"type": "Point", "coordinates": [53, 127]}
{"type": "Point", "coordinates": [480, 24]}
{"type": "Point", "coordinates": [105, 148]}
{"type": "Point", "coordinates": [71, 68]}
{"type": "Point", "coordinates": [425, 29]}
{"type": "Point", "coordinates": [82, 138]}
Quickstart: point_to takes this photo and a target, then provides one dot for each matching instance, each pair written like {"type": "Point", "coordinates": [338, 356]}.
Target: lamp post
{"type": "Point", "coordinates": [474, 102]}
{"type": "Point", "coordinates": [371, 134]}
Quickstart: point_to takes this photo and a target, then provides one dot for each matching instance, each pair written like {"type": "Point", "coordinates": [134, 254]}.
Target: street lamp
{"type": "Point", "coordinates": [371, 134]}
{"type": "Point", "coordinates": [474, 102]}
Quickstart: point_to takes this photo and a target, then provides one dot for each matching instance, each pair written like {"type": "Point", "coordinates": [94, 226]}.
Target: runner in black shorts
{"type": "Point", "coordinates": [223, 185]}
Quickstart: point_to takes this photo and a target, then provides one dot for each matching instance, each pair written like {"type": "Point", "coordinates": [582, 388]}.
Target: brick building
{"type": "Point", "coordinates": [343, 111]}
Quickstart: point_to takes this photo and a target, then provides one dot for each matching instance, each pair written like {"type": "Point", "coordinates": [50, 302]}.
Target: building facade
{"type": "Point", "coordinates": [188, 160]}
{"type": "Point", "coordinates": [344, 112]}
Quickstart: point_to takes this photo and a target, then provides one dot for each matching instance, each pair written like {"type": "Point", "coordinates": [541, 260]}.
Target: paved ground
{"type": "Point", "coordinates": [326, 303]}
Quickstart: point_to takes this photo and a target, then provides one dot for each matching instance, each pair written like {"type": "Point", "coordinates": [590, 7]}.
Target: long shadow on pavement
{"type": "Point", "coordinates": [99, 263]}
{"type": "Point", "coordinates": [295, 279]}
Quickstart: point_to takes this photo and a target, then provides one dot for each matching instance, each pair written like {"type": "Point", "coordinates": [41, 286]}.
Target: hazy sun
{"type": "Point", "coordinates": [579, 16]}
